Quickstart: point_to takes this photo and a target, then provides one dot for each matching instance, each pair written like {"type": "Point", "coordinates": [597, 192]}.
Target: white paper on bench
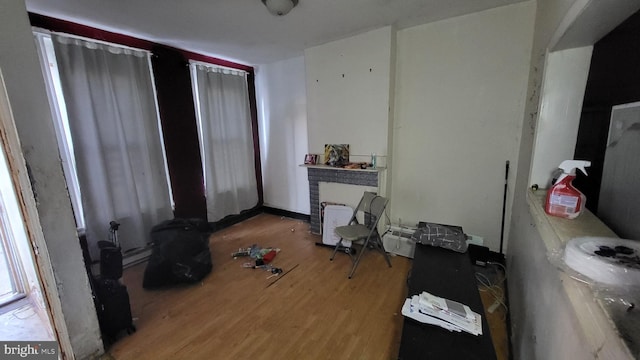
{"type": "Point", "coordinates": [413, 313]}
{"type": "Point", "coordinates": [426, 313]}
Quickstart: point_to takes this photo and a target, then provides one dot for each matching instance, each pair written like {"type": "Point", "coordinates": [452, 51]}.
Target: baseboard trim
{"type": "Point", "coordinates": [234, 219]}
{"type": "Point", "coordinates": [286, 213]}
{"type": "Point", "coordinates": [136, 257]}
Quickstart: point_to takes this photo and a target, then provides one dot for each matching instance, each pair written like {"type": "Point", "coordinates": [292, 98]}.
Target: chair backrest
{"type": "Point", "coordinates": [372, 206]}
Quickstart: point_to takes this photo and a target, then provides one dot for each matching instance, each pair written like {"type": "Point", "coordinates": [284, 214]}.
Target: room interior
{"type": "Point", "coordinates": [443, 98]}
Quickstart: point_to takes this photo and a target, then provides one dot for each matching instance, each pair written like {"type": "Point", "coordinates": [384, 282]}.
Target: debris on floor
{"type": "Point", "coordinates": [262, 258]}
{"type": "Point", "coordinates": [256, 252]}
{"type": "Point", "coordinates": [283, 274]}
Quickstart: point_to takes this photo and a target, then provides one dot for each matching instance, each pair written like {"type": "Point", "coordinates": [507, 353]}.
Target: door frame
{"type": "Point", "coordinates": [10, 143]}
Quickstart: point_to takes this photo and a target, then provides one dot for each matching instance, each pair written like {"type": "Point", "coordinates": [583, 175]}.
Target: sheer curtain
{"type": "Point", "coordinates": [119, 155]}
{"type": "Point", "coordinates": [226, 140]}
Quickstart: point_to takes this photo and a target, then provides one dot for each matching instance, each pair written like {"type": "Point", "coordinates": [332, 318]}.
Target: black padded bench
{"type": "Point", "coordinates": [450, 275]}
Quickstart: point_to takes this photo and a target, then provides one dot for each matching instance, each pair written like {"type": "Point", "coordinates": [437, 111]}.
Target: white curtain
{"type": "Point", "coordinates": [226, 140]}
{"type": "Point", "coordinates": [119, 155]}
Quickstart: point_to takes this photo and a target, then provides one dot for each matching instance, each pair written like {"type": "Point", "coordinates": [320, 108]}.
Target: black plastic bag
{"type": "Point", "coordinates": [180, 253]}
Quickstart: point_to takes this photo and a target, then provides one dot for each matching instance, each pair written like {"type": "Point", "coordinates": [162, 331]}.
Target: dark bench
{"type": "Point", "coordinates": [450, 275]}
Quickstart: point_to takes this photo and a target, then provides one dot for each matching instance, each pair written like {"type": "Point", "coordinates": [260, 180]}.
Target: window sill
{"type": "Point", "coordinates": [597, 325]}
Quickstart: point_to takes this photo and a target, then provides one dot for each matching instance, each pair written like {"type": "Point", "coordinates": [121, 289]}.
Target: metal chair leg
{"type": "Point", "coordinates": [386, 256]}
{"type": "Point", "coordinates": [355, 264]}
{"type": "Point", "coordinates": [335, 250]}
{"type": "Point", "coordinates": [380, 247]}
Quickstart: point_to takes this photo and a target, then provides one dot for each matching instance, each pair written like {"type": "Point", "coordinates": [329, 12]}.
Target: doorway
{"type": "Point", "coordinates": [23, 313]}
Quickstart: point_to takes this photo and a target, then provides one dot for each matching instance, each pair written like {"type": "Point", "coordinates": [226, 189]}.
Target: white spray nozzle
{"type": "Point", "coordinates": [570, 166]}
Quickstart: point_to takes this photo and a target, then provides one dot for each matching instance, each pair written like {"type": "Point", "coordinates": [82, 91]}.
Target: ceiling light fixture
{"type": "Point", "coordinates": [280, 7]}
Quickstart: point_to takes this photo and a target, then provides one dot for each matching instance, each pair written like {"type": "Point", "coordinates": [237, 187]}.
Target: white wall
{"type": "Point", "coordinates": [282, 118]}
{"type": "Point", "coordinates": [543, 323]}
{"type": "Point", "coordinates": [530, 324]}
{"type": "Point", "coordinates": [565, 79]}
{"type": "Point", "coordinates": [25, 87]}
{"type": "Point", "coordinates": [460, 95]}
{"type": "Point", "coordinates": [348, 94]}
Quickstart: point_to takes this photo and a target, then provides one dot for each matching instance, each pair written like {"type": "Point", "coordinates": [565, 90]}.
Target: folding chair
{"type": "Point", "coordinates": [372, 207]}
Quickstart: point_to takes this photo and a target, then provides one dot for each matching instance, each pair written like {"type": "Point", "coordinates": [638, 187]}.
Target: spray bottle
{"type": "Point", "coordinates": [563, 199]}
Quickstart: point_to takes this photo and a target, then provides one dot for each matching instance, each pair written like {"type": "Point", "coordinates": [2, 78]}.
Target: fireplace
{"type": "Point", "coordinates": [320, 173]}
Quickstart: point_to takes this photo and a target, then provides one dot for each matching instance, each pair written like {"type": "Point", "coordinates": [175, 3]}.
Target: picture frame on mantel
{"type": "Point", "coordinates": [310, 159]}
{"type": "Point", "coordinates": [336, 154]}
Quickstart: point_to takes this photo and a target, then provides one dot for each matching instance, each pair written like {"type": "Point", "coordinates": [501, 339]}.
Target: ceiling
{"type": "Point", "coordinates": [243, 30]}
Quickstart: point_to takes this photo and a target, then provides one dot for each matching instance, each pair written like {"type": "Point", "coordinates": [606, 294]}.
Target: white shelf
{"type": "Point", "coordinates": [327, 167]}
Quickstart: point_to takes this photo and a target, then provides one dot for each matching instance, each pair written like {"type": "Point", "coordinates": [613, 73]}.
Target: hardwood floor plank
{"type": "Point", "coordinates": [313, 312]}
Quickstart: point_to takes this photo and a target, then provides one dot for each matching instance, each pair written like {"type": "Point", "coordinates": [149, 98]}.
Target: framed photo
{"type": "Point", "coordinates": [310, 159]}
{"type": "Point", "coordinates": [336, 154]}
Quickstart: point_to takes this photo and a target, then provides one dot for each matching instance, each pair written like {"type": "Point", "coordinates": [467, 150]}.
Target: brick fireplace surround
{"type": "Point", "coordinates": [317, 174]}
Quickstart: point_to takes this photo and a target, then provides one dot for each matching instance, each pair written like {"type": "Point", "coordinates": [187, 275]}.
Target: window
{"type": "Point", "coordinates": [221, 98]}
{"type": "Point", "coordinates": [11, 275]}
{"type": "Point", "coordinates": [108, 128]}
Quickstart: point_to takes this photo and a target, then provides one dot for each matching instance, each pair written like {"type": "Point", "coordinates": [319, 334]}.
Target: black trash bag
{"type": "Point", "coordinates": [180, 253]}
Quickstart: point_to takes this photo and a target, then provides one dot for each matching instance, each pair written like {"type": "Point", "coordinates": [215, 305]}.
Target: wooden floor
{"type": "Point", "coordinates": [311, 312]}
{"type": "Point", "coordinates": [497, 319]}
